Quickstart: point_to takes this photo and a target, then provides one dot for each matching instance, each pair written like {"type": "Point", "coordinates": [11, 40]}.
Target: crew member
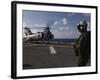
{"type": "Point", "coordinates": [82, 46]}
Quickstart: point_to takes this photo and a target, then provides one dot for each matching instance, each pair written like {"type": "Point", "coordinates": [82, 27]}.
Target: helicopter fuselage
{"type": "Point", "coordinates": [45, 35]}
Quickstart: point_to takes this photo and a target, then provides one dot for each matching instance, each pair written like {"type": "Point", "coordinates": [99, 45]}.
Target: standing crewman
{"type": "Point", "coordinates": [82, 46]}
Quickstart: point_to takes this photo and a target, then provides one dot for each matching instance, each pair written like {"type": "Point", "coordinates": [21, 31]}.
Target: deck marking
{"type": "Point", "coordinates": [52, 50]}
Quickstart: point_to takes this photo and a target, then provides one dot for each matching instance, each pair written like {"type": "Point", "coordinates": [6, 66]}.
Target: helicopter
{"type": "Point", "coordinates": [45, 35]}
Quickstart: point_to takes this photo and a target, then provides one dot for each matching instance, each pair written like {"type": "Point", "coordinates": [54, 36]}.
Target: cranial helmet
{"type": "Point", "coordinates": [82, 25]}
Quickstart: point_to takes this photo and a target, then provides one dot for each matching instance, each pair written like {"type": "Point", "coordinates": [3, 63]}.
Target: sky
{"type": "Point", "coordinates": [62, 24]}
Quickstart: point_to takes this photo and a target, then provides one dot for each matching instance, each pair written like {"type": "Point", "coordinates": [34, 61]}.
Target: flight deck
{"type": "Point", "coordinates": [37, 56]}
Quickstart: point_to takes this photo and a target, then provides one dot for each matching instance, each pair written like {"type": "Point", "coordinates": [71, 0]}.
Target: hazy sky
{"type": "Point", "coordinates": [63, 24]}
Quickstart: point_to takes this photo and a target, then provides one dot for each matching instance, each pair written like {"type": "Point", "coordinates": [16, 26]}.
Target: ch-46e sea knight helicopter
{"type": "Point", "coordinates": [31, 36]}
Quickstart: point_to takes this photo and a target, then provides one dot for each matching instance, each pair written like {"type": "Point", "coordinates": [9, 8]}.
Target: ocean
{"type": "Point", "coordinates": [64, 40]}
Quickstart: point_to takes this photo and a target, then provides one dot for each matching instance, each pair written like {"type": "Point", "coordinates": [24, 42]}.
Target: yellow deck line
{"type": "Point", "coordinates": [63, 46]}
